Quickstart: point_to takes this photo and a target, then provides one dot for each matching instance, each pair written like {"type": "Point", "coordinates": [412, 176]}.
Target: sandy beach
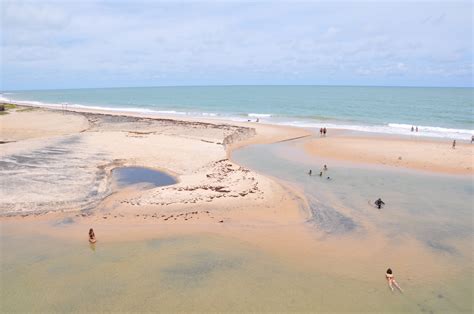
{"type": "Point", "coordinates": [420, 154]}
{"type": "Point", "coordinates": [87, 146]}
{"type": "Point", "coordinates": [57, 183]}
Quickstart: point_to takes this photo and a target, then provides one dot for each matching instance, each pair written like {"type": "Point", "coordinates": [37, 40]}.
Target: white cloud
{"type": "Point", "coordinates": [277, 39]}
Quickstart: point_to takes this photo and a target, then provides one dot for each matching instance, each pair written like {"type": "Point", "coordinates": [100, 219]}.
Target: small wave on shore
{"type": "Point", "coordinates": [390, 128]}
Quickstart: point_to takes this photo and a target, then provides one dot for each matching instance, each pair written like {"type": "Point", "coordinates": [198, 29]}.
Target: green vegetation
{"type": "Point", "coordinates": [8, 106]}
{"type": "Point", "coordinates": [4, 107]}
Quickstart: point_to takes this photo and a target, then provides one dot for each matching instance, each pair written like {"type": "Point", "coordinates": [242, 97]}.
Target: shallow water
{"type": "Point", "coordinates": [205, 272]}
{"type": "Point", "coordinates": [425, 228]}
{"type": "Point", "coordinates": [126, 176]}
{"type": "Point", "coordinates": [199, 273]}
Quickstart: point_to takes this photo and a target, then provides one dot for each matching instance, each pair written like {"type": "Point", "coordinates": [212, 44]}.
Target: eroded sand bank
{"type": "Point", "coordinates": [69, 169]}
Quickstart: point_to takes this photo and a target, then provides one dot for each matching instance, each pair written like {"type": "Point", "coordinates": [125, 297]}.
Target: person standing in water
{"type": "Point", "coordinates": [412, 128]}
{"type": "Point", "coordinates": [416, 129]}
{"type": "Point", "coordinates": [92, 238]}
{"type": "Point", "coordinates": [391, 280]}
{"type": "Point", "coordinates": [379, 203]}
{"type": "Point", "coordinates": [310, 172]}
{"type": "Point", "coordinates": [320, 173]}
{"type": "Point", "coordinates": [325, 168]}
{"type": "Point", "coordinates": [454, 144]}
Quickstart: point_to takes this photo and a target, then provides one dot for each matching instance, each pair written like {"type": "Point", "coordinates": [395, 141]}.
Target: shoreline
{"type": "Point", "coordinates": [271, 133]}
{"type": "Point", "coordinates": [267, 133]}
{"type": "Point", "coordinates": [387, 130]}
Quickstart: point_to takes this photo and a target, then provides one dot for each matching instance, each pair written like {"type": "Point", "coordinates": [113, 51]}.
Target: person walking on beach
{"type": "Point", "coordinates": [321, 131]}
{"type": "Point", "coordinates": [310, 172]}
{"type": "Point", "coordinates": [412, 128]}
{"type": "Point", "coordinates": [416, 129]}
{"type": "Point", "coordinates": [379, 203]}
{"type": "Point", "coordinates": [391, 280]}
{"type": "Point", "coordinates": [92, 238]}
{"type": "Point", "coordinates": [324, 131]}
{"type": "Point", "coordinates": [454, 144]}
{"type": "Point", "coordinates": [472, 139]}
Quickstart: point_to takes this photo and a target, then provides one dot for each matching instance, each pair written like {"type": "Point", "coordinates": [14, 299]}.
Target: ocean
{"type": "Point", "coordinates": [437, 112]}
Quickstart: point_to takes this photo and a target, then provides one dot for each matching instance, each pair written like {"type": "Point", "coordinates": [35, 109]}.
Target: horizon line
{"type": "Point", "coordinates": [233, 85]}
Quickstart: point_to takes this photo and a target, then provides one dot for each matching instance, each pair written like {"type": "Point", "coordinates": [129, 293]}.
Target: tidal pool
{"type": "Point", "coordinates": [127, 176]}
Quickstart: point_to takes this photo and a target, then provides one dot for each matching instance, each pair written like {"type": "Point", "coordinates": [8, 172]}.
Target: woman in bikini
{"type": "Point", "coordinates": [391, 280]}
{"type": "Point", "coordinates": [92, 238]}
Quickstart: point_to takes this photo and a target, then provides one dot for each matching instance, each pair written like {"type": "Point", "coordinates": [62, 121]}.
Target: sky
{"type": "Point", "coordinates": [76, 44]}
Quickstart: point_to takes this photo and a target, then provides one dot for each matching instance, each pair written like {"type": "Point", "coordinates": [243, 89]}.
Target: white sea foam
{"type": "Point", "coordinates": [391, 128]}
{"type": "Point", "coordinates": [259, 115]}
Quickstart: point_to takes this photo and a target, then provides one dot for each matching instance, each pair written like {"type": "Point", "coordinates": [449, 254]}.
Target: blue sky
{"type": "Point", "coordinates": [68, 44]}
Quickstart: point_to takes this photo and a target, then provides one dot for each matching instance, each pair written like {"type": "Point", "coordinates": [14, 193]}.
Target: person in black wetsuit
{"type": "Point", "coordinates": [310, 172]}
{"type": "Point", "coordinates": [379, 203]}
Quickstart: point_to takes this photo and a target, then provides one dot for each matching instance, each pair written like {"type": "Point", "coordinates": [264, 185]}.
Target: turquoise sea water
{"type": "Point", "coordinates": [438, 112]}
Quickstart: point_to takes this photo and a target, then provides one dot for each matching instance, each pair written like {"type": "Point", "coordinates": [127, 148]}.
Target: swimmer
{"type": "Point", "coordinates": [310, 172]}
{"type": "Point", "coordinates": [328, 178]}
{"type": "Point", "coordinates": [391, 280]}
{"type": "Point", "coordinates": [92, 238]}
{"type": "Point", "coordinates": [325, 168]}
{"type": "Point", "coordinates": [379, 203]}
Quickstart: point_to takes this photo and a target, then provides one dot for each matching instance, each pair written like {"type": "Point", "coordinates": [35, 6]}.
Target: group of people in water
{"type": "Point", "coordinates": [414, 128]}
{"type": "Point", "coordinates": [379, 203]}
{"type": "Point", "coordinates": [325, 168]}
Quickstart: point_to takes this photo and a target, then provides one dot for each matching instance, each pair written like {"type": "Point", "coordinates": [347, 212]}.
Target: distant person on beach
{"type": "Point", "coordinates": [258, 120]}
{"type": "Point", "coordinates": [454, 144]}
{"type": "Point", "coordinates": [325, 168]}
{"type": "Point", "coordinates": [472, 139]}
{"type": "Point", "coordinates": [328, 178]}
{"type": "Point", "coordinates": [324, 131]}
{"type": "Point", "coordinates": [416, 129]}
{"type": "Point", "coordinates": [391, 280]}
{"type": "Point", "coordinates": [310, 172]}
{"type": "Point", "coordinates": [321, 131]}
{"type": "Point", "coordinates": [412, 128]}
{"type": "Point", "coordinates": [92, 238]}
{"type": "Point", "coordinates": [379, 203]}
{"type": "Point", "coordinates": [320, 173]}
